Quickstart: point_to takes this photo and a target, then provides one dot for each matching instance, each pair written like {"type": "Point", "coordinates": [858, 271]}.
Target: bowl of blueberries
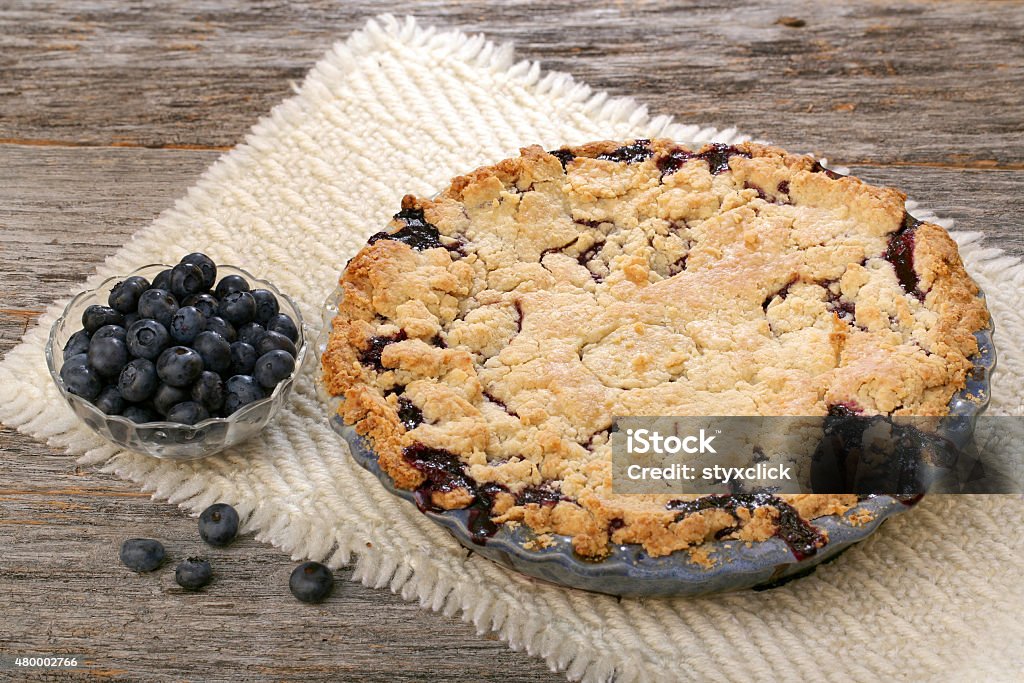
{"type": "Point", "coordinates": [177, 362]}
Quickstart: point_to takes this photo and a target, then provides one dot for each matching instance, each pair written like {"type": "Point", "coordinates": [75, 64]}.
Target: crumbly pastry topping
{"type": "Point", "coordinates": [486, 339]}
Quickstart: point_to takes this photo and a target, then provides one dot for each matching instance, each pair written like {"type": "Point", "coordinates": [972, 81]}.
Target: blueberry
{"type": "Point", "coordinates": [266, 305]}
{"type": "Point", "coordinates": [179, 366]}
{"type": "Point", "coordinates": [95, 317]}
{"type": "Point", "coordinates": [282, 324]}
{"type": "Point", "coordinates": [187, 413]}
{"type": "Point", "coordinates": [229, 284]}
{"type": "Point", "coordinates": [238, 308]}
{"type": "Point", "coordinates": [107, 355]}
{"type": "Point", "coordinates": [311, 582]}
{"type": "Point", "coordinates": [138, 380]}
{"type": "Point", "coordinates": [214, 350]}
{"type": "Point", "coordinates": [193, 574]}
{"type": "Point", "coordinates": [243, 358]}
{"type": "Point", "coordinates": [205, 302]}
{"type": "Point", "coordinates": [142, 554]}
{"type": "Point", "coordinates": [208, 391]}
{"type": "Point", "coordinates": [158, 304]}
{"type": "Point", "coordinates": [218, 524]}
{"type": "Point", "coordinates": [140, 414]}
{"type": "Point", "coordinates": [166, 397]}
{"type": "Point", "coordinates": [221, 327]}
{"type": "Point", "coordinates": [250, 333]}
{"type": "Point", "coordinates": [110, 331]}
{"type": "Point", "coordinates": [130, 319]}
{"type": "Point", "coordinates": [206, 265]}
{"type": "Point", "coordinates": [77, 343]}
{"type": "Point", "coordinates": [162, 280]}
{"type": "Point", "coordinates": [274, 340]}
{"type": "Point", "coordinates": [77, 359]}
{"type": "Point", "coordinates": [147, 338]}
{"type": "Point", "coordinates": [188, 321]}
{"type": "Point", "coordinates": [186, 280]}
{"type": "Point", "coordinates": [80, 378]}
{"type": "Point", "coordinates": [240, 390]}
{"type": "Point", "coordinates": [110, 400]}
{"type": "Point", "coordinates": [124, 296]}
{"type": "Point", "coordinates": [272, 367]}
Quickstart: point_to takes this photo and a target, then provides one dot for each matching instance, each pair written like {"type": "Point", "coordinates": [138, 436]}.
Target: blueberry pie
{"type": "Point", "coordinates": [485, 340]}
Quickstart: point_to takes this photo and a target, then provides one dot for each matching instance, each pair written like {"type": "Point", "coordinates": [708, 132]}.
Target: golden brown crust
{"type": "Point", "coordinates": [506, 321]}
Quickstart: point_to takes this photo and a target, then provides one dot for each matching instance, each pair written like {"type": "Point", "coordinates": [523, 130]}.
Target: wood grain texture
{"type": "Point", "coordinates": [109, 110]}
{"type": "Point", "coordinates": [64, 590]}
{"type": "Point", "coordinates": [856, 81]}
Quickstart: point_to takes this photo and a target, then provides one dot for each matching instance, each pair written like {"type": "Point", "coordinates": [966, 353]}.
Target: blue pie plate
{"type": "Point", "coordinates": [629, 571]}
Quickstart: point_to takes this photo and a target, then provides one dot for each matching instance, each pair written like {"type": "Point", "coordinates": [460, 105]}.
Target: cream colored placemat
{"type": "Point", "coordinates": [398, 109]}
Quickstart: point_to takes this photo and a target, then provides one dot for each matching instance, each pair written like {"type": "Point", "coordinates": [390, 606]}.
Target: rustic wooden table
{"type": "Point", "coordinates": [110, 110]}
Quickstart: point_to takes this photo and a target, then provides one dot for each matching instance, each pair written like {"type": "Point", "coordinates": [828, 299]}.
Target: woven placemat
{"type": "Point", "coordinates": [397, 108]}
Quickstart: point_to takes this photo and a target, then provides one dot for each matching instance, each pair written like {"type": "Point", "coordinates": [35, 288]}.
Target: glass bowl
{"type": "Point", "coordinates": [170, 440]}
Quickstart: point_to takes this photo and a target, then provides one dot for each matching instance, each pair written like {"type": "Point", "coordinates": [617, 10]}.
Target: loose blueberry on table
{"type": "Point", "coordinates": [142, 554]}
{"type": "Point", "coordinates": [218, 524]}
{"type": "Point", "coordinates": [193, 573]}
{"type": "Point", "coordinates": [181, 348]}
{"type": "Point", "coordinates": [311, 582]}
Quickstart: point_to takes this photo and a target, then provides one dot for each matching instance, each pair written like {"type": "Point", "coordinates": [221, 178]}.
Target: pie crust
{"type": "Point", "coordinates": [486, 339]}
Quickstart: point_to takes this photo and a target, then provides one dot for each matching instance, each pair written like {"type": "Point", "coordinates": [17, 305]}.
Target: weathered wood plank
{"type": "Point", "coordinates": [859, 82]}
{"type": "Point", "coordinates": [64, 590]}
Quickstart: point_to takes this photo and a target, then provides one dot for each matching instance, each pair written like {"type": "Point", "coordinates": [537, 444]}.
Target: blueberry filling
{"type": "Point", "coordinates": [409, 415]}
{"type": "Point", "coordinates": [782, 294]}
{"type": "Point", "coordinates": [717, 158]}
{"type": "Point", "coordinates": [371, 355]}
{"type": "Point", "coordinates": [816, 167]}
{"type": "Point", "coordinates": [588, 255]}
{"type": "Point", "coordinates": [417, 232]}
{"type": "Point", "coordinates": [480, 524]}
{"type": "Point", "coordinates": [559, 250]}
{"type": "Point", "coordinates": [783, 187]}
{"type": "Point", "coordinates": [444, 472]}
{"type": "Point", "coordinates": [848, 459]}
{"type": "Point", "coordinates": [538, 495]}
{"type": "Point", "coordinates": [900, 253]}
{"type": "Point", "coordinates": [843, 410]}
{"type": "Point", "coordinates": [752, 186]}
{"type": "Point", "coordinates": [630, 154]}
{"type": "Point", "coordinates": [563, 155]}
{"type": "Point", "coordinates": [844, 308]}
{"type": "Point", "coordinates": [802, 538]}
{"type": "Point", "coordinates": [497, 401]}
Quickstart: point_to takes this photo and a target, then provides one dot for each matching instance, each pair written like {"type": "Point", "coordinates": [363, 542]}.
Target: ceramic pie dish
{"type": "Point", "coordinates": [477, 350]}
